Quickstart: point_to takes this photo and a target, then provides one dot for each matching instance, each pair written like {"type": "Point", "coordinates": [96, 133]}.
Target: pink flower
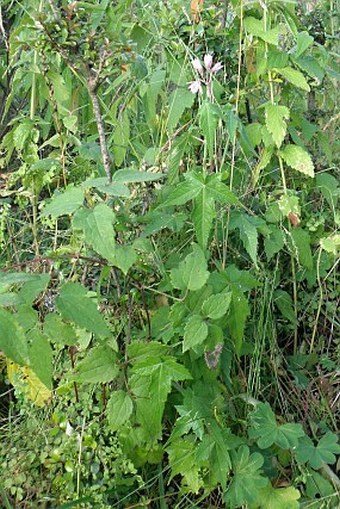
{"type": "Point", "coordinates": [195, 87]}
{"type": "Point", "coordinates": [208, 61]}
{"type": "Point", "coordinates": [217, 67]}
{"type": "Point", "coordinates": [198, 66]}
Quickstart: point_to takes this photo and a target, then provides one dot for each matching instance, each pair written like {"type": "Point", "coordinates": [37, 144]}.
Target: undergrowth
{"type": "Point", "coordinates": [169, 231]}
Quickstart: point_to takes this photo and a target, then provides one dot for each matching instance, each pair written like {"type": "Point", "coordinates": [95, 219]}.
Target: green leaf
{"type": "Point", "coordinates": [277, 498]}
{"type": "Point", "coordinates": [119, 408]}
{"type": "Point", "coordinates": [208, 120]}
{"type": "Point", "coordinates": [113, 189]}
{"type": "Point", "coordinates": [183, 192]}
{"type": "Point", "coordinates": [182, 461]}
{"type": "Point", "coordinates": [121, 138]}
{"type": "Point", "coordinates": [98, 231]}
{"type": "Point", "coordinates": [32, 289]}
{"type": "Point", "coordinates": [192, 273]}
{"type": "Point", "coordinates": [74, 305]}
{"type": "Point", "coordinates": [195, 332]}
{"type": "Point", "coordinates": [303, 41]}
{"type": "Point", "coordinates": [21, 134]}
{"type": "Point", "coordinates": [295, 77]}
{"type": "Point", "coordinates": [237, 318]}
{"type": "Point", "coordinates": [299, 159]}
{"type": "Point", "coordinates": [265, 430]}
{"type": "Point", "coordinates": [301, 240]}
{"type": "Point", "coordinates": [247, 480]}
{"type": "Point", "coordinates": [58, 331]}
{"type": "Point", "coordinates": [256, 27]}
{"type": "Point", "coordinates": [125, 257]}
{"type": "Point", "coordinates": [99, 366]}
{"type": "Point", "coordinates": [323, 452]}
{"type": "Point", "coordinates": [64, 203]}
{"type": "Point", "coordinates": [276, 117]}
{"type": "Point", "coordinates": [331, 244]}
{"type": "Point", "coordinates": [203, 216]}
{"type": "Point", "coordinates": [273, 243]}
{"type": "Point", "coordinates": [151, 383]}
{"type": "Point", "coordinates": [41, 357]}
{"type": "Point", "coordinates": [217, 305]}
{"type": "Point", "coordinates": [220, 192]}
{"type": "Point", "coordinates": [128, 175]}
{"type": "Point", "coordinates": [179, 101]}
{"type": "Point", "coordinates": [284, 303]}
{"type": "Point", "coordinates": [12, 339]}
{"type": "Point", "coordinates": [248, 233]}
{"type": "Point", "coordinates": [221, 441]}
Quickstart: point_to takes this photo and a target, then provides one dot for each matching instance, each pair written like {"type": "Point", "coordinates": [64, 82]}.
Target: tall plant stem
{"type": "Point", "coordinates": [233, 149]}
{"type": "Point", "coordinates": [284, 183]}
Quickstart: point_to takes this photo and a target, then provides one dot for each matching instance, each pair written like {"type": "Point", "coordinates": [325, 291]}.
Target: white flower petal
{"type": "Point", "coordinates": [217, 67]}
{"type": "Point", "coordinates": [208, 60]}
{"type": "Point", "coordinates": [197, 65]}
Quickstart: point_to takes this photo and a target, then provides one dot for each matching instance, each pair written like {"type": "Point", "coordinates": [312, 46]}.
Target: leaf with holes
{"type": "Point", "coordinates": [299, 159]}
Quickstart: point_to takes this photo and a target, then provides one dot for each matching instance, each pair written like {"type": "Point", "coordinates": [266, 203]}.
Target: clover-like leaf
{"type": "Point", "coordinates": [265, 430]}
{"type": "Point", "coordinates": [323, 452]}
{"type": "Point", "coordinates": [247, 479]}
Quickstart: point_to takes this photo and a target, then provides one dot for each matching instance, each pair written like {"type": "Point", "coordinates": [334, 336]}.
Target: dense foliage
{"type": "Point", "coordinates": [169, 236]}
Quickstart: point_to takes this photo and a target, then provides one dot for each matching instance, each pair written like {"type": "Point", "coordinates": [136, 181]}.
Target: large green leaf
{"type": "Point", "coordinates": [129, 175]}
{"type": "Point", "coordinates": [151, 383]}
{"type": "Point", "coordinates": [237, 318]}
{"type": "Point", "coordinates": [179, 100]}
{"type": "Point", "coordinates": [276, 117]}
{"type": "Point", "coordinates": [217, 305]}
{"type": "Point", "coordinates": [203, 216]}
{"type": "Point", "coordinates": [98, 231]}
{"type": "Point", "coordinates": [121, 138]}
{"type": "Point", "coordinates": [98, 366]}
{"type": "Point", "coordinates": [183, 192]}
{"type": "Point", "coordinates": [125, 257]}
{"type": "Point", "coordinates": [192, 273]}
{"type": "Point", "coordinates": [316, 455]}
{"type": "Point", "coordinates": [74, 305]}
{"type": "Point", "coordinates": [64, 203]}
{"type": "Point", "coordinates": [111, 188]}
{"type": "Point", "coordinates": [41, 357]}
{"type": "Point", "coordinates": [299, 159]}
{"type": "Point", "coordinates": [247, 479]}
{"type": "Point", "coordinates": [195, 332]}
{"type": "Point", "coordinates": [248, 233]}
{"type": "Point", "coordinates": [284, 302]}
{"type": "Point", "coordinates": [220, 192]}
{"type": "Point", "coordinates": [256, 27]}
{"type": "Point", "coordinates": [295, 77]}
{"type": "Point", "coordinates": [12, 339]}
{"type": "Point", "coordinates": [208, 120]}
{"type": "Point", "coordinates": [302, 241]}
{"type": "Point", "coordinates": [265, 430]}
{"type": "Point", "coordinates": [277, 498]}
{"type": "Point", "coordinates": [119, 408]}
{"type": "Point", "coordinates": [58, 331]}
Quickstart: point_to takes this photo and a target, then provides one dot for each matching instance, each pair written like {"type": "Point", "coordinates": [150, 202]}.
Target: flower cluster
{"type": "Point", "coordinates": [205, 72]}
